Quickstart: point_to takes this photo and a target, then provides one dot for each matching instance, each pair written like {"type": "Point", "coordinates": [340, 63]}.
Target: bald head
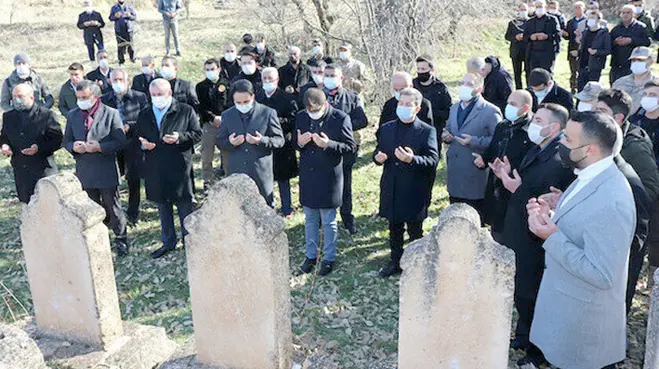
{"type": "Point", "coordinates": [22, 97]}
{"type": "Point", "coordinates": [522, 100]}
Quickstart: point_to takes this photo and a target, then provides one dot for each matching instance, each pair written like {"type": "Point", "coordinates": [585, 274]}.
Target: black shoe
{"type": "Point", "coordinates": [132, 219]}
{"type": "Point", "coordinates": [162, 252]}
{"type": "Point", "coordinates": [389, 270]}
{"type": "Point", "coordinates": [326, 268]}
{"type": "Point", "coordinates": [519, 343]}
{"type": "Point", "coordinates": [121, 246]}
{"type": "Point", "coordinates": [308, 265]}
{"type": "Point", "coordinates": [528, 360]}
{"type": "Point", "coordinates": [351, 229]}
{"type": "Point", "coordinates": [178, 53]}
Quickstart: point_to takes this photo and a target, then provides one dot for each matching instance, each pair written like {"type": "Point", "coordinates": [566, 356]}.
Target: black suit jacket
{"type": "Point", "coordinates": [96, 76]}
{"type": "Point", "coordinates": [557, 95]}
{"type": "Point", "coordinates": [229, 70]}
{"type": "Point", "coordinates": [296, 78]}
{"type": "Point", "coordinates": [284, 165]}
{"type": "Point", "coordinates": [348, 102]}
{"type": "Point", "coordinates": [643, 204]}
{"type": "Point", "coordinates": [91, 33]}
{"type": "Point", "coordinates": [213, 98]}
{"type": "Point", "coordinates": [141, 83]}
{"type": "Point", "coordinates": [183, 91]}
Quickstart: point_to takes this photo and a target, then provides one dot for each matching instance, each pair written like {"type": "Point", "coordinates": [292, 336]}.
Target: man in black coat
{"type": "Point", "coordinates": [435, 91]}
{"type": "Point", "coordinates": [573, 46]}
{"type": "Point", "coordinates": [101, 75]}
{"type": "Point", "coordinates": [123, 15]}
{"type": "Point", "coordinates": [30, 136]}
{"type": "Point", "coordinates": [509, 144]}
{"type": "Point", "coordinates": [229, 65]}
{"type": "Point", "coordinates": [249, 71]}
{"type": "Point", "coordinates": [294, 74]}
{"type": "Point", "coordinates": [407, 148]}
{"type": "Point", "coordinates": [265, 56]}
{"type": "Point", "coordinates": [129, 103]}
{"type": "Point", "coordinates": [141, 81]}
{"type": "Point", "coordinates": [348, 102]}
{"type": "Point", "coordinates": [91, 22]}
{"type": "Point", "coordinates": [540, 170]}
{"type": "Point", "coordinates": [626, 36]}
{"type": "Point", "coordinates": [182, 90]}
{"type": "Point", "coordinates": [399, 82]}
{"type": "Point", "coordinates": [284, 163]}
{"type": "Point", "coordinates": [317, 72]}
{"type": "Point", "coordinates": [67, 100]}
{"type": "Point", "coordinates": [167, 132]}
{"type": "Point", "coordinates": [249, 133]}
{"type": "Point", "coordinates": [94, 134]}
{"type": "Point", "coordinates": [515, 35]}
{"type": "Point", "coordinates": [324, 136]}
{"type": "Point", "coordinates": [541, 32]}
{"type": "Point", "coordinates": [498, 82]}
{"type": "Point", "coordinates": [318, 51]}
{"type": "Point", "coordinates": [595, 47]}
{"type": "Point", "coordinates": [545, 90]}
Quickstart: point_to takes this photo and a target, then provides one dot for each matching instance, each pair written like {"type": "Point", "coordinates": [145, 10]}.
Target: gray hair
{"type": "Point", "coordinates": [115, 71]}
{"type": "Point", "coordinates": [147, 59]}
{"type": "Point", "coordinates": [160, 83]}
{"type": "Point", "coordinates": [25, 87]}
{"type": "Point", "coordinates": [294, 49]}
{"type": "Point", "coordinates": [270, 70]}
{"type": "Point", "coordinates": [476, 62]}
{"type": "Point", "coordinates": [414, 93]}
{"type": "Point", "coordinates": [404, 75]}
{"type": "Point", "coordinates": [628, 6]}
{"type": "Point", "coordinates": [89, 85]}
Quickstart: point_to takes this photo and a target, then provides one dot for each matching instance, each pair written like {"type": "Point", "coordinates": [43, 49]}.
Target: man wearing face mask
{"type": "Point", "coordinates": [433, 89]}
{"type": "Point", "coordinates": [141, 81]}
{"type": "Point", "coordinates": [579, 319]}
{"type": "Point", "coordinates": [129, 103]}
{"type": "Point", "coordinates": [123, 15]}
{"type": "Point", "coordinates": [515, 35]}
{"type": "Point", "coordinates": [509, 145]}
{"type": "Point", "coordinates": [498, 82]}
{"type": "Point", "coordinates": [67, 100]}
{"type": "Point", "coordinates": [91, 22]}
{"type": "Point", "coordinates": [593, 50]}
{"type": "Point", "coordinates": [182, 90]}
{"type": "Point", "coordinates": [266, 57]}
{"type": "Point", "coordinates": [30, 136]}
{"type": "Point", "coordinates": [229, 65]}
{"type": "Point", "coordinates": [399, 82]}
{"type": "Point", "coordinates": [318, 52]}
{"type": "Point", "coordinates": [284, 160]}
{"type": "Point", "coordinates": [25, 74]}
{"type": "Point", "coordinates": [101, 75]}
{"type": "Point", "coordinates": [470, 127]}
{"type": "Point", "coordinates": [170, 10]}
{"type": "Point", "coordinates": [545, 90]}
{"type": "Point", "coordinates": [249, 132]}
{"type": "Point", "coordinates": [317, 72]}
{"type": "Point", "coordinates": [213, 93]}
{"type": "Point", "coordinates": [249, 70]}
{"type": "Point", "coordinates": [94, 134]}
{"type": "Point", "coordinates": [294, 74]}
{"type": "Point", "coordinates": [167, 133]}
{"type": "Point", "coordinates": [348, 102]}
{"type": "Point", "coordinates": [324, 136]}
{"type": "Point", "coordinates": [573, 45]}
{"type": "Point", "coordinates": [643, 16]}
{"type": "Point", "coordinates": [541, 32]}
{"type": "Point", "coordinates": [407, 148]}
{"type": "Point", "coordinates": [356, 75]}
{"type": "Point", "coordinates": [641, 61]}
{"type": "Point", "coordinates": [588, 96]}
{"type": "Point", "coordinates": [626, 36]}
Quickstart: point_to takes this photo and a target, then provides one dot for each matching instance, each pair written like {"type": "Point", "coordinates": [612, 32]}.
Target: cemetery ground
{"type": "Point", "coordinates": [350, 315]}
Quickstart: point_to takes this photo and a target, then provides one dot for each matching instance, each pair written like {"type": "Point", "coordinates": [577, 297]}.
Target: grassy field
{"type": "Point", "coordinates": [350, 315]}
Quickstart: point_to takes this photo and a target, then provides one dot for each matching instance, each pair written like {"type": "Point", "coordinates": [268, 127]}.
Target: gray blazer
{"type": "Point", "coordinates": [464, 179]}
{"type": "Point", "coordinates": [96, 170]}
{"type": "Point", "coordinates": [579, 320]}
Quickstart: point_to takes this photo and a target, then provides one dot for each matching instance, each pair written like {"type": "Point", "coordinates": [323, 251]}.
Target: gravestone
{"type": "Point", "coordinates": [238, 270]}
{"type": "Point", "coordinates": [456, 297]}
{"type": "Point", "coordinates": [18, 350]}
{"type": "Point", "coordinates": [651, 339]}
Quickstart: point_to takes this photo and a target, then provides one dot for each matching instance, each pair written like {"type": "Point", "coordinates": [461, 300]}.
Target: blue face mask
{"type": "Point", "coordinates": [331, 83]}
{"type": "Point", "coordinates": [405, 113]}
{"type": "Point", "coordinates": [245, 108]}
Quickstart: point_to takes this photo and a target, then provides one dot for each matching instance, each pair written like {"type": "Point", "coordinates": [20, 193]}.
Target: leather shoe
{"type": "Point", "coordinates": [162, 252]}
{"type": "Point", "coordinates": [308, 265]}
{"type": "Point", "coordinates": [519, 344]}
{"type": "Point", "coordinates": [351, 229]}
{"type": "Point", "coordinates": [122, 247]}
{"type": "Point", "coordinates": [389, 270]}
{"type": "Point", "coordinates": [326, 268]}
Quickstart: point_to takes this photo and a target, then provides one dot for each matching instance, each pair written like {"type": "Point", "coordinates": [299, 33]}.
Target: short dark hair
{"type": "Point", "coordinates": [173, 60]}
{"type": "Point", "coordinates": [314, 98]}
{"type": "Point", "coordinates": [334, 66]}
{"type": "Point", "coordinates": [558, 113]}
{"type": "Point", "coordinates": [315, 63]}
{"type": "Point", "coordinates": [619, 101]}
{"type": "Point", "coordinates": [212, 61]}
{"type": "Point", "coordinates": [242, 85]}
{"type": "Point", "coordinates": [249, 51]}
{"type": "Point", "coordinates": [76, 67]}
{"type": "Point", "coordinates": [651, 84]}
{"type": "Point", "coordinates": [426, 58]}
{"type": "Point", "coordinates": [598, 127]}
{"type": "Point", "coordinates": [539, 76]}
{"type": "Point", "coordinates": [89, 85]}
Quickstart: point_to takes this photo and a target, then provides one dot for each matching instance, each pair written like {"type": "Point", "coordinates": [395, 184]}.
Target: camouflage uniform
{"type": "Point", "coordinates": [635, 90]}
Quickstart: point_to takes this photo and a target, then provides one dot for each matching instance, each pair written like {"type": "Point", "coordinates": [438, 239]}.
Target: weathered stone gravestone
{"type": "Point", "coordinates": [652, 335]}
{"type": "Point", "coordinates": [456, 297]}
{"type": "Point", "coordinates": [238, 270]}
{"type": "Point", "coordinates": [18, 350]}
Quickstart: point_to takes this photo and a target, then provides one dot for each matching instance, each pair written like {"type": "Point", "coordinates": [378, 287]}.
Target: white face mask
{"type": "Point", "coordinates": [230, 56]}
{"type": "Point", "coordinates": [248, 69]}
{"type": "Point", "coordinates": [260, 46]}
{"type": "Point", "coordinates": [85, 104]}
{"type": "Point", "coordinates": [534, 134]}
{"type": "Point", "coordinates": [167, 72]}
{"type": "Point", "coordinates": [639, 9]}
{"type": "Point", "coordinates": [591, 22]}
{"type": "Point", "coordinates": [317, 78]}
{"type": "Point", "coordinates": [584, 106]}
{"type": "Point", "coordinates": [213, 75]}
{"type": "Point", "coordinates": [397, 94]}
{"type": "Point", "coordinates": [465, 93]}
{"type": "Point", "coordinates": [89, 9]}
{"type": "Point", "coordinates": [269, 86]}
{"type": "Point", "coordinates": [639, 67]}
{"type": "Point", "coordinates": [331, 83]}
{"type": "Point", "coordinates": [317, 49]}
{"type": "Point", "coordinates": [540, 12]}
{"type": "Point", "coordinates": [147, 70]}
{"type": "Point", "coordinates": [245, 108]}
{"type": "Point", "coordinates": [103, 63]}
{"type": "Point", "coordinates": [119, 88]}
{"type": "Point", "coordinates": [23, 70]}
{"type": "Point", "coordinates": [511, 113]}
{"type": "Point", "coordinates": [344, 55]}
{"type": "Point", "coordinates": [160, 102]}
{"type": "Point", "coordinates": [523, 14]}
{"type": "Point", "coordinates": [317, 114]}
{"type": "Point", "coordinates": [649, 103]}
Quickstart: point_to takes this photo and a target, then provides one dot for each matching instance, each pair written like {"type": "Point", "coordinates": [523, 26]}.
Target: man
{"type": "Point", "coordinates": [545, 90]}
{"type": "Point", "coordinates": [101, 75]}
{"type": "Point", "coordinates": [581, 302]}
{"type": "Point", "coordinates": [294, 74]}
{"type": "Point", "coordinates": [355, 73]}
{"type": "Point", "coordinates": [167, 132]}
{"type": "Point", "coordinates": [142, 81]}
{"type": "Point", "coordinates": [433, 89]}
{"type": "Point", "coordinates": [588, 96]}
{"type": "Point", "coordinates": [509, 144]}
{"type": "Point", "coordinates": [229, 65]}
{"type": "Point", "coordinates": [498, 82]}
{"type": "Point", "coordinates": [91, 22]}
{"type": "Point", "coordinates": [594, 48]}
{"type": "Point", "coordinates": [552, 9]}
{"type": "Point", "coordinates": [248, 134]}
{"type": "Point", "coordinates": [247, 41]}
{"type": "Point", "coordinates": [170, 10]}
{"type": "Point", "coordinates": [407, 148]}
{"type": "Point", "coordinates": [284, 160]}
{"type": "Point", "coordinates": [318, 51]}
{"type": "Point", "coordinates": [94, 134]}
{"type": "Point", "coordinates": [475, 64]}
{"type": "Point", "coordinates": [541, 32]}
{"type": "Point", "coordinates": [399, 82]}
{"type": "Point", "coordinates": [643, 16]}
{"type": "Point", "coordinates": [23, 73]}
{"type": "Point", "coordinates": [213, 93]}
{"type": "Point", "coordinates": [249, 70]}
{"type": "Point", "coordinates": [570, 34]}
{"type": "Point", "coordinates": [626, 36]}
{"type": "Point", "coordinates": [265, 56]}
{"type": "Point", "coordinates": [641, 61]}
{"type": "Point", "coordinates": [129, 103]}
{"type": "Point", "coordinates": [123, 15]}
{"type": "Point", "coordinates": [317, 72]}
{"type": "Point", "coordinates": [324, 136]}
{"type": "Point", "coordinates": [470, 127]}
{"type": "Point", "coordinates": [348, 102]}
{"type": "Point", "coordinates": [515, 35]}
{"type": "Point", "coordinates": [182, 90]}
{"type": "Point", "coordinates": [30, 136]}
{"type": "Point", "coordinates": [67, 100]}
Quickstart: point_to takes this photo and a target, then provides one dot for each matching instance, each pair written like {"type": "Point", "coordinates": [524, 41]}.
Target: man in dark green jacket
{"type": "Point", "coordinates": [67, 100]}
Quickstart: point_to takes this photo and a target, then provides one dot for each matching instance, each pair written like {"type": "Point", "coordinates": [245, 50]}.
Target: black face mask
{"type": "Point", "coordinates": [424, 77]}
{"type": "Point", "coordinates": [293, 60]}
{"type": "Point", "coordinates": [564, 153]}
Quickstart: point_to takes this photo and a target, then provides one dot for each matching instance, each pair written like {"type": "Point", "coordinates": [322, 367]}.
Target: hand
{"type": "Point", "coordinates": [552, 197]}
{"type": "Point", "coordinates": [171, 138]}
{"type": "Point", "coordinates": [519, 37]}
{"type": "Point", "coordinates": [236, 140]}
{"type": "Point", "coordinates": [79, 147]}
{"type": "Point", "coordinates": [117, 15]}
{"type": "Point", "coordinates": [537, 205]}
{"type": "Point", "coordinates": [86, 24]}
{"type": "Point", "coordinates": [574, 53]}
{"type": "Point", "coordinates": [99, 83]}
{"type": "Point", "coordinates": [146, 144]}
{"type": "Point", "coordinates": [501, 168]}
{"type": "Point", "coordinates": [565, 34]}
{"type": "Point", "coordinates": [465, 140]}
{"type": "Point", "coordinates": [381, 157]}
{"type": "Point", "coordinates": [217, 121]}
{"type": "Point", "coordinates": [303, 138]}
{"type": "Point", "coordinates": [592, 51]}
{"type": "Point", "coordinates": [254, 140]}
{"type": "Point", "coordinates": [290, 89]}
{"type": "Point", "coordinates": [404, 154]}
{"type": "Point", "coordinates": [321, 140]}
{"type": "Point", "coordinates": [93, 146]}
{"type": "Point", "coordinates": [6, 150]}
{"type": "Point", "coordinates": [534, 37]}
{"type": "Point", "coordinates": [447, 137]}
{"type": "Point", "coordinates": [542, 36]}
{"type": "Point", "coordinates": [126, 128]}
{"type": "Point", "coordinates": [478, 161]}
{"type": "Point", "coordinates": [578, 32]}
{"type": "Point", "coordinates": [512, 183]}
{"type": "Point", "coordinates": [30, 151]}
{"type": "Point", "coordinates": [541, 225]}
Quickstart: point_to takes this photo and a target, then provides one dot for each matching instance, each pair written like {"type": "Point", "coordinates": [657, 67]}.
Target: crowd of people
{"type": "Point", "coordinates": [571, 185]}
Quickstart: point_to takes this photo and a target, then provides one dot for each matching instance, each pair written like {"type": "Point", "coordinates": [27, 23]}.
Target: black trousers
{"type": "Point", "coordinates": [518, 70]}
{"type": "Point", "coordinates": [115, 218]}
{"type": "Point", "coordinates": [346, 205]}
{"type": "Point", "coordinates": [125, 43]}
{"type": "Point", "coordinates": [134, 194]}
{"type": "Point", "coordinates": [476, 204]}
{"type": "Point", "coordinates": [530, 266]}
{"type": "Point", "coordinates": [91, 51]}
{"type": "Point", "coordinates": [574, 73]}
{"type": "Point", "coordinates": [397, 234]}
{"type": "Point", "coordinates": [540, 59]}
{"type": "Point", "coordinates": [167, 228]}
{"type": "Point", "coordinates": [586, 75]}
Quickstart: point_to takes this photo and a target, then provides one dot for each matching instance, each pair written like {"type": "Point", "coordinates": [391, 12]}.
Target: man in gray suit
{"type": "Point", "coordinates": [469, 130]}
{"type": "Point", "coordinates": [94, 134]}
{"type": "Point", "coordinates": [248, 134]}
{"type": "Point", "coordinates": [579, 320]}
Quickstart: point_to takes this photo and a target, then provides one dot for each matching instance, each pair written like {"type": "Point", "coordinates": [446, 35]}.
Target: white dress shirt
{"type": "Point", "coordinates": [584, 176]}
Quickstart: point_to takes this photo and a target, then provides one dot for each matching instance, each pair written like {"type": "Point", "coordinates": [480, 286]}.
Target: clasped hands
{"type": "Point", "coordinates": [320, 139]}
{"type": "Point", "coordinates": [404, 154]}
{"type": "Point", "coordinates": [86, 147]}
{"type": "Point", "coordinates": [539, 211]}
{"type": "Point", "coordinates": [237, 140]}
